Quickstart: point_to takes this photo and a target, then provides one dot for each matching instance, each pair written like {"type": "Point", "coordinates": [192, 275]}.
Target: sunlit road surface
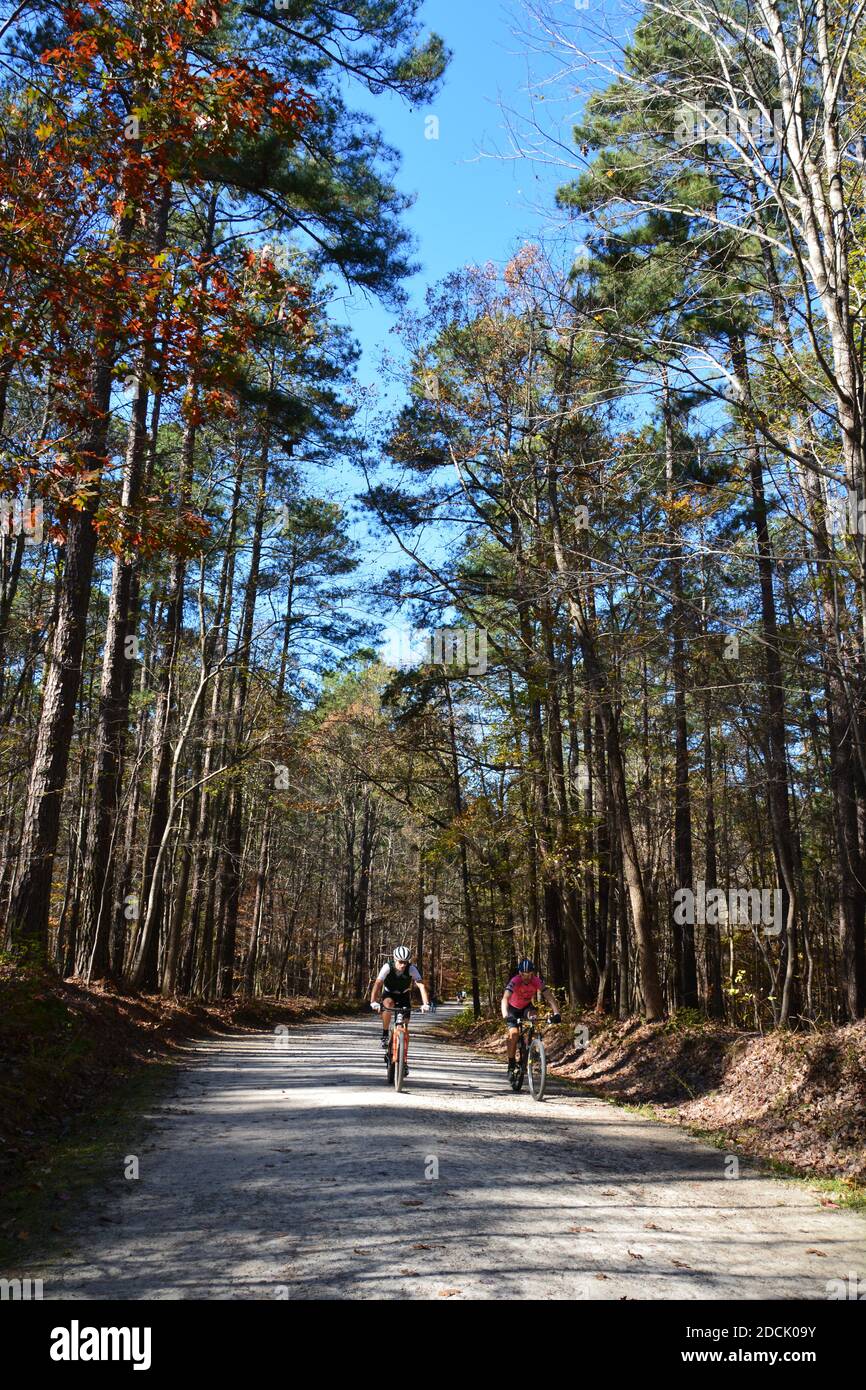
{"type": "Point", "coordinates": [295, 1172]}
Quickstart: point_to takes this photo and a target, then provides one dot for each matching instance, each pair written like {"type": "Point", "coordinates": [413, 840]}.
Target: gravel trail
{"type": "Point", "coordinates": [297, 1173]}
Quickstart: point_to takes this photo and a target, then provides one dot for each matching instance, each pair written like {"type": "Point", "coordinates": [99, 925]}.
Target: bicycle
{"type": "Point", "coordinates": [530, 1061]}
{"type": "Point", "coordinates": [395, 1052]}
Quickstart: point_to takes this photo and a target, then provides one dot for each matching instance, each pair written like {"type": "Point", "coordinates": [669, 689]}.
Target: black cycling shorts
{"type": "Point", "coordinates": [401, 1001]}
{"type": "Point", "coordinates": [514, 1015]}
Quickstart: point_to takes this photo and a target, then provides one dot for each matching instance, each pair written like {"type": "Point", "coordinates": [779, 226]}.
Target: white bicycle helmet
{"type": "Point", "coordinates": [402, 953]}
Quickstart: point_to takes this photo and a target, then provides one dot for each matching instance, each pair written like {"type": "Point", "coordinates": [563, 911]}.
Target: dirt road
{"type": "Point", "coordinates": [296, 1173]}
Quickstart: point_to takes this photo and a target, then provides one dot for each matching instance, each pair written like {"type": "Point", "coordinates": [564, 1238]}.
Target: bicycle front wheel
{"type": "Point", "coordinates": [516, 1077]}
{"type": "Point", "coordinates": [400, 1060]}
{"type": "Point", "coordinates": [537, 1069]}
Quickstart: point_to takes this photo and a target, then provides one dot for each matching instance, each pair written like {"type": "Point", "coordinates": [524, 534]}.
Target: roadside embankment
{"type": "Point", "coordinates": [79, 1062]}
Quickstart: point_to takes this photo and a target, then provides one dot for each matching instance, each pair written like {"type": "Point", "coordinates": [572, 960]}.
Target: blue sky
{"type": "Point", "coordinates": [471, 204]}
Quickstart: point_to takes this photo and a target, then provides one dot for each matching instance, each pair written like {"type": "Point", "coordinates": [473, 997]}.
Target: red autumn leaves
{"type": "Point", "coordinates": [131, 112]}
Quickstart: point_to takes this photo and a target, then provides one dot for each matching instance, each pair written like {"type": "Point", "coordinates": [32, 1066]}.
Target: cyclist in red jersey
{"type": "Point", "coordinates": [517, 998]}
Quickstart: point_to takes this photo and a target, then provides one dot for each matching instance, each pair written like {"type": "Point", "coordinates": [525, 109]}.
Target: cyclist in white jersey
{"type": "Point", "coordinates": [393, 987]}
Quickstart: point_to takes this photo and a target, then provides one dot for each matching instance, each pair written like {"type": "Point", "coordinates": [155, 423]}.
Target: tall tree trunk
{"type": "Point", "coordinates": [597, 684]}
{"type": "Point", "coordinates": [683, 935]}
{"type": "Point", "coordinates": [232, 857]}
{"type": "Point", "coordinates": [464, 860]}
{"type": "Point", "coordinates": [116, 685]}
{"type": "Point", "coordinates": [776, 753]}
{"type": "Point", "coordinates": [31, 893]}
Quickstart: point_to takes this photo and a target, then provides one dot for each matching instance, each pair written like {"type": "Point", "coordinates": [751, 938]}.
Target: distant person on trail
{"type": "Point", "coordinates": [393, 985]}
{"type": "Point", "coordinates": [519, 995]}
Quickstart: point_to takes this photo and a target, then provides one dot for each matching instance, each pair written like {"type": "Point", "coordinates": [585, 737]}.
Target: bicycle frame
{"type": "Point", "coordinates": [525, 1039]}
{"type": "Point", "coordinates": [398, 1027]}
{"type": "Point", "coordinates": [396, 1021]}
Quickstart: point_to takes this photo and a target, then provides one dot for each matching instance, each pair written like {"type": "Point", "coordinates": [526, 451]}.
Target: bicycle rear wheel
{"type": "Point", "coordinates": [537, 1069]}
{"type": "Point", "coordinates": [400, 1063]}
